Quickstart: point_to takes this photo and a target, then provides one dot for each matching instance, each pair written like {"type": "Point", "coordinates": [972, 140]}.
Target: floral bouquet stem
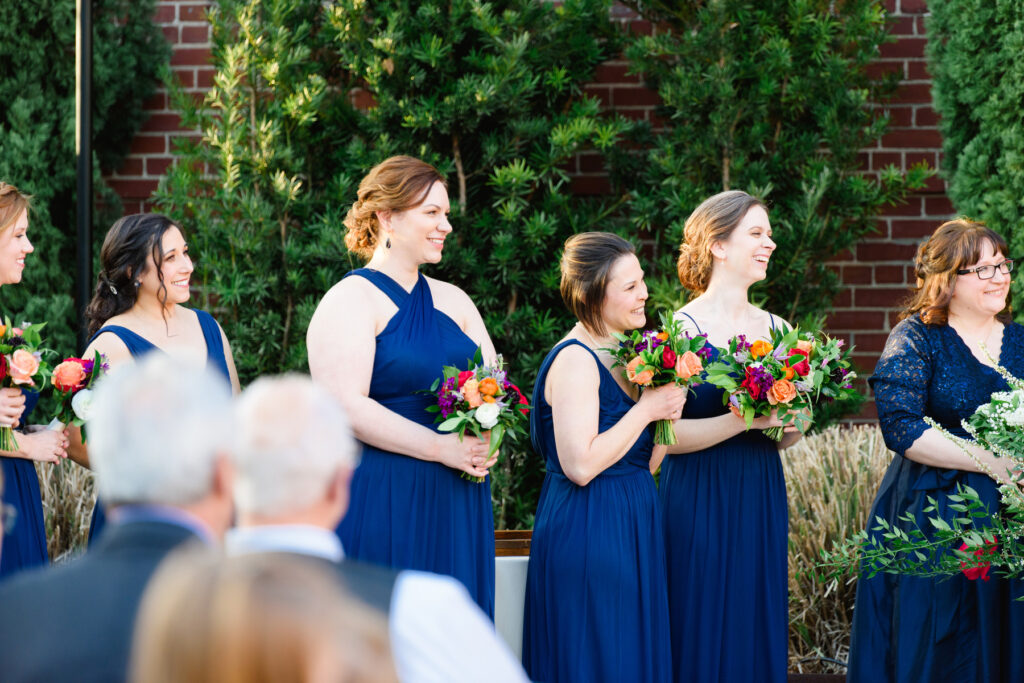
{"type": "Point", "coordinates": [7, 441]}
{"type": "Point", "coordinates": [664, 433]}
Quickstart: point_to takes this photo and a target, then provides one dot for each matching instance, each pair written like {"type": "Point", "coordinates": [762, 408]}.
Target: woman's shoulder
{"type": "Point", "coordinates": [441, 290]}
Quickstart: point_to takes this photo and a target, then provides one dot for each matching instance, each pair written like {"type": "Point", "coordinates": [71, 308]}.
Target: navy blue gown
{"type": "Point", "coordinates": [139, 346]}
{"type": "Point", "coordinates": [596, 607]}
{"type": "Point", "coordinates": [726, 535]}
{"type": "Point", "coordinates": [25, 546]}
{"type": "Point", "coordinates": [404, 512]}
{"type": "Point", "coordinates": [910, 629]}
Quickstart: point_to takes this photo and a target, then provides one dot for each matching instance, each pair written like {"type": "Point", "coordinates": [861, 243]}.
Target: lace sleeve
{"type": "Point", "coordinates": [900, 385]}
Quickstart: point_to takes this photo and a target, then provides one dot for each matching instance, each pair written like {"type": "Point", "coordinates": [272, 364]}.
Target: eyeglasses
{"type": "Point", "coordinates": [8, 515]}
{"type": "Point", "coordinates": [988, 272]}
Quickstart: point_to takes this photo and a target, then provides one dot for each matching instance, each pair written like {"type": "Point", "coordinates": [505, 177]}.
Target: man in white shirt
{"type": "Point", "coordinates": [295, 455]}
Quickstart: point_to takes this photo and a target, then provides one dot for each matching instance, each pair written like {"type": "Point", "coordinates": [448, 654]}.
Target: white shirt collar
{"type": "Point", "coordinates": [304, 539]}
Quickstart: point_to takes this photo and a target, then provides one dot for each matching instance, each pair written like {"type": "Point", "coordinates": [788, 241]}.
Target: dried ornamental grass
{"type": "Point", "coordinates": [68, 497]}
{"type": "Point", "coordinates": [831, 481]}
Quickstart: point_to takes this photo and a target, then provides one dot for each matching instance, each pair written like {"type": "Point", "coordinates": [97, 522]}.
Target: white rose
{"type": "Point", "coordinates": [81, 403]}
{"type": "Point", "coordinates": [487, 415]}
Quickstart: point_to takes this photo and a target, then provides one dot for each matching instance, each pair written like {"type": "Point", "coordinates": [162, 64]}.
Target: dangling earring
{"type": "Point", "coordinates": [387, 243]}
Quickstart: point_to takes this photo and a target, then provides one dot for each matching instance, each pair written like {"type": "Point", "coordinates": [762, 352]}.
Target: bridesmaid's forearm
{"type": "Point", "coordinates": [377, 426]}
{"type": "Point", "coordinates": [694, 435]}
{"type": "Point", "coordinates": [583, 465]}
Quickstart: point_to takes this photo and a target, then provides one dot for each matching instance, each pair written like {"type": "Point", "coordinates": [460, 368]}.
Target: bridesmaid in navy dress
{"type": "Point", "coordinates": [25, 546]}
{"type": "Point", "coordinates": [722, 487]}
{"type": "Point", "coordinates": [911, 629]}
{"type": "Point", "coordinates": [596, 607]}
{"type": "Point", "coordinates": [376, 341]}
{"type": "Point", "coordinates": [137, 307]}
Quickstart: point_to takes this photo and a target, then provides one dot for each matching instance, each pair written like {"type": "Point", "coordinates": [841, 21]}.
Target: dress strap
{"type": "Point", "coordinates": [395, 291]}
{"type": "Point", "coordinates": [215, 355]}
{"type": "Point", "coordinates": [699, 331]}
{"type": "Point", "coordinates": [137, 344]}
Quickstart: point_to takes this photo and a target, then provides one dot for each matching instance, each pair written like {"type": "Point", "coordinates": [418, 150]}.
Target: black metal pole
{"type": "Point", "coordinates": [83, 150]}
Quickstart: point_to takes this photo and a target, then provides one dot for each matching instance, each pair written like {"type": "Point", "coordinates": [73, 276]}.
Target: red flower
{"type": "Point", "coordinates": [3, 367]}
{"type": "Point", "coordinates": [801, 368]}
{"type": "Point", "coordinates": [980, 569]}
{"type": "Point", "coordinates": [668, 358]}
{"type": "Point", "coordinates": [463, 376]}
{"type": "Point", "coordinates": [522, 399]}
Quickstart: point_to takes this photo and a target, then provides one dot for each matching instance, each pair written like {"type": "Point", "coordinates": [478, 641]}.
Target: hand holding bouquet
{"type": "Point", "coordinates": [480, 399]}
{"type": "Point", "coordinates": [21, 366]}
{"type": "Point", "coordinates": [654, 358]}
{"type": "Point", "coordinates": [72, 381]}
{"type": "Point", "coordinates": [788, 374]}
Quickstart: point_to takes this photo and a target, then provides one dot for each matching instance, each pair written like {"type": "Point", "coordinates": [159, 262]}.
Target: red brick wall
{"type": "Point", "coordinates": [877, 273]}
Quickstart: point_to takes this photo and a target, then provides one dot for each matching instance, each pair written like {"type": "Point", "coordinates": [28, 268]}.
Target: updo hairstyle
{"type": "Point", "coordinates": [954, 245]}
{"type": "Point", "coordinates": [395, 184]}
{"type": "Point", "coordinates": [123, 258]}
{"type": "Point", "coordinates": [13, 203]}
{"type": "Point", "coordinates": [586, 263]}
{"type": "Point", "coordinates": [712, 221]}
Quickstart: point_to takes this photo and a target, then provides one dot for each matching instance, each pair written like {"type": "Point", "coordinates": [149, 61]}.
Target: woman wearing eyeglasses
{"type": "Point", "coordinates": [938, 363]}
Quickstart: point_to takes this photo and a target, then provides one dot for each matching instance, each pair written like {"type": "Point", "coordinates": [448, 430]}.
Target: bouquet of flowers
{"type": "Point", "coordinates": [789, 373]}
{"type": "Point", "coordinates": [479, 399]}
{"type": "Point", "coordinates": [21, 365]}
{"type": "Point", "coordinates": [997, 426]}
{"type": "Point", "coordinates": [72, 381]}
{"type": "Point", "coordinates": [654, 358]}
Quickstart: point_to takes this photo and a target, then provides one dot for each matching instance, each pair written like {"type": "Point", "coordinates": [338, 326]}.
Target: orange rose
{"type": "Point", "coordinates": [471, 392]}
{"type": "Point", "coordinates": [782, 391]}
{"type": "Point", "coordinates": [760, 348]}
{"type": "Point", "coordinates": [68, 376]}
{"type": "Point", "coordinates": [488, 386]}
{"type": "Point", "coordinates": [487, 398]}
{"type": "Point", "coordinates": [688, 365]}
{"type": "Point", "coordinates": [790, 372]}
{"type": "Point", "coordinates": [663, 336]}
{"type": "Point", "coordinates": [23, 366]}
{"type": "Point", "coordinates": [3, 329]}
{"type": "Point", "coordinates": [804, 347]}
{"type": "Point", "coordinates": [644, 378]}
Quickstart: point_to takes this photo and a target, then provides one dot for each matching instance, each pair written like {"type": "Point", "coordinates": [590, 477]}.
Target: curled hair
{"type": "Point", "coordinates": [954, 245]}
{"type": "Point", "coordinates": [13, 203]}
{"type": "Point", "coordinates": [126, 248]}
{"type": "Point", "coordinates": [586, 263]}
{"type": "Point", "coordinates": [712, 221]}
{"type": "Point", "coordinates": [395, 184]}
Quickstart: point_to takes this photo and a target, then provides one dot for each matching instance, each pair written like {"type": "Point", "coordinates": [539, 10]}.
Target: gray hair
{"type": "Point", "coordinates": [156, 430]}
{"type": "Point", "coordinates": [292, 438]}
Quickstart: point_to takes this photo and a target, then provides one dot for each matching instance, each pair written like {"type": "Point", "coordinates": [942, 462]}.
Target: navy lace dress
{"type": "Point", "coordinates": [139, 346]}
{"type": "Point", "coordinates": [408, 513]}
{"type": "Point", "coordinates": [909, 629]}
{"type": "Point", "coordinates": [596, 606]}
{"type": "Point", "coordinates": [25, 546]}
{"type": "Point", "coordinates": [726, 534]}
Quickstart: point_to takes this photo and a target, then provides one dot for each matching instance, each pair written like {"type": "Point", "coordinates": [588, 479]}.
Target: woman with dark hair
{"type": "Point", "coordinates": [25, 546]}
{"type": "Point", "coordinates": [377, 340]}
{"type": "Point", "coordinates": [138, 307]}
{"type": "Point", "coordinates": [937, 363]}
{"type": "Point", "coordinates": [722, 487]}
{"type": "Point", "coordinates": [596, 608]}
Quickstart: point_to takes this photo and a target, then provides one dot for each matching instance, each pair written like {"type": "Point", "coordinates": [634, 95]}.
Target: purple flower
{"type": "Point", "coordinates": [735, 400]}
{"type": "Point", "coordinates": [741, 343]}
{"type": "Point", "coordinates": [87, 366]}
{"type": "Point", "coordinates": [706, 352]}
{"type": "Point", "coordinates": [757, 381]}
{"type": "Point", "coordinates": [446, 396]}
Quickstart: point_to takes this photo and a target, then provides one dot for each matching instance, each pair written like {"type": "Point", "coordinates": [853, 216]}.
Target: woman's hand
{"type": "Point", "coordinates": [12, 405]}
{"type": "Point", "coordinates": [664, 403]}
{"type": "Point", "coordinates": [468, 455]}
{"type": "Point", "coordinates": [769, 421]}
{"type": "Point", "coordinates": [45, 445]}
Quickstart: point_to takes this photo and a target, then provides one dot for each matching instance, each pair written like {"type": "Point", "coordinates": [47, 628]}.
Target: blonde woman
{"type": "Point", "coordinates": [25, 545]}
{"type": "Point", "coordinates": [377, 340]}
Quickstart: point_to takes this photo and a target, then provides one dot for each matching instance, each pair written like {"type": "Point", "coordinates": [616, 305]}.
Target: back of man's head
{"type": "Point", "coordinates": [292, 442]}
{"type": "Point", "coordinates": [156, 431]}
